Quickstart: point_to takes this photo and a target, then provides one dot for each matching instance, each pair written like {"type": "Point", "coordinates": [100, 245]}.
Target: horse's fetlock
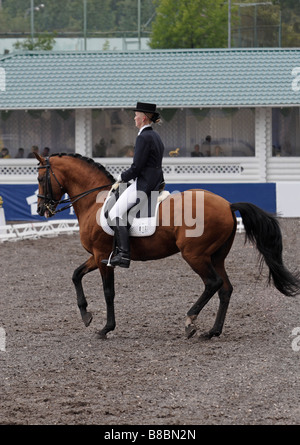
{"type": "Point", "coordinates": [109, 294]}
{"type": "Point", "coordinates": [83, 306]}
{"type": "Point", "coordinates": [191, 315]}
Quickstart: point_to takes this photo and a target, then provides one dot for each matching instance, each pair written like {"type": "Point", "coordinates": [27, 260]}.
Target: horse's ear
{"type": "Point", "coordinates": [40, 158]}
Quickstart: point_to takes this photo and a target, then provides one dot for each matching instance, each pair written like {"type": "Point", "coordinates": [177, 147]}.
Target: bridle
{"type": "Point", "coordinates": [50, 202]}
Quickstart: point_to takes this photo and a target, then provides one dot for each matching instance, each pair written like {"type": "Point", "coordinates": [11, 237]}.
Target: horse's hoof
{"type": "Point", "coordinates": [87, 318]}
{"type": "Point", "coordinates": [190, 330]}
{"type": "Point", "coordinates": [100, 335]}
{"type": "Point", "coordinates": [210, 334]}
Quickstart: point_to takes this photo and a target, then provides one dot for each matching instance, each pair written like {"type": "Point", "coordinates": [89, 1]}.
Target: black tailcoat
{"type": "Point", "coordinates": [147, 161]}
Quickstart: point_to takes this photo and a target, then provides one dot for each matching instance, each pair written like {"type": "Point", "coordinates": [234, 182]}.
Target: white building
{"type": "Point", "coordinates": [246, 100]}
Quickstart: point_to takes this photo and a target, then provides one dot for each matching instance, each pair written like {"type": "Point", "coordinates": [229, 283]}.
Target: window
{"type": "Point", "coordinates": [221, 132]}
{"type": "Point", "coordinates": [286, 132]}
{"type": "Point", "coordinates": [53, 128]}
{"type": "Point", "coordinates": [113, 133]}
{"type": "Point", "coordinates": [231, 132]}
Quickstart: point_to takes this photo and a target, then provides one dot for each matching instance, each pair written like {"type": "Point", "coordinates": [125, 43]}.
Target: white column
{"type": "Point", "coordinates": [83, 132]}
{"type": "Point", "coordinates": [2, 217]}
{"type": "Point", "coordinates": [269, 150]}
{"type": "Point", "coordinates": [262, 140]}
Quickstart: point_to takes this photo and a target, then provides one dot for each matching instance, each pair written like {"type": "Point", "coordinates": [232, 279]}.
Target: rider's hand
{"type": "Point", "coordinates": [115, 186]}
{"type": "Point", "coordinates": [117, 183]}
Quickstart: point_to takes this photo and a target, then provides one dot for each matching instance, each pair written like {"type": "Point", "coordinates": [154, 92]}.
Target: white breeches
{"type": "Point", "coordinates": [124, 203]}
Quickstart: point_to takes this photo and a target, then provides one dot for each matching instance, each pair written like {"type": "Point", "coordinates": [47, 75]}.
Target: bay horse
{"type": "Point", "coordinates": [82, 179]}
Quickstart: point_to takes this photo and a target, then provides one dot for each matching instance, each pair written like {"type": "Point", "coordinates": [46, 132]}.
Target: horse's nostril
{"type": "Point", "coordinates": [40, 209]}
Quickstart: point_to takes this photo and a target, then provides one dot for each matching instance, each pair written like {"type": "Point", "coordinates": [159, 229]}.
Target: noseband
{"type": "Point", "coordinates": [50, 202]}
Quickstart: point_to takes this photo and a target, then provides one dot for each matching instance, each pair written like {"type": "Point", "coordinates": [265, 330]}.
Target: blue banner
{"type": "Point", "coordinates": [20, 203]}
{"type": "Point", "coordinates": [261, 194]}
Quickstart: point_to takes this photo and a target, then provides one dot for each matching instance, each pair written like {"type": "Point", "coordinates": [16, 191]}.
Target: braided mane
{"type": "Point", "coordinates": [89, 161]}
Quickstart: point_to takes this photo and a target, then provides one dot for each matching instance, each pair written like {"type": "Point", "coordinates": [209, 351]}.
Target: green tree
{"type": "Point", "coordinates": [126, 15]}
{"type": "Point", "coordinates": [105, 16]}
{"type": "Point", "coordinates": [270, 25]}
{"type": "Point", "coordinates": [290, 16]}
{"type": "Point", "coordinates": [44, 42]}
{"type": "Point", "coordinates": [190, 24]}
{"type": "Point", "coordinates": [100, 16]}
{"type": "Point", "coordinates": [257, 25]}
{"type": "Point", "coordinates": [176, 23]}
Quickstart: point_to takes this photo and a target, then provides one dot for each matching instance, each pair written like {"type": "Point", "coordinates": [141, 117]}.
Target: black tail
{"type": "Point", "coordinates": [263, 230]}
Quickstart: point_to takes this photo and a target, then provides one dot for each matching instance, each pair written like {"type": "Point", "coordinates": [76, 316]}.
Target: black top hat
{"type": "Point", "coordinates": [148, 108]}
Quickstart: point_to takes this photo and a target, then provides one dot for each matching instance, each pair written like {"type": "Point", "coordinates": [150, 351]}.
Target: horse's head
{"type": "Point", "coordinates": [50, 189]}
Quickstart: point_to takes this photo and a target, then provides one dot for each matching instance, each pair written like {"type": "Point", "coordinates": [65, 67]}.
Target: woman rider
{"type": "Point", "coordinates": [146, 172]}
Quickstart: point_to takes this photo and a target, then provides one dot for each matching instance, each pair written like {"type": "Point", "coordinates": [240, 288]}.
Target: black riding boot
{"type": "Point", "coordinates": [122, 256]}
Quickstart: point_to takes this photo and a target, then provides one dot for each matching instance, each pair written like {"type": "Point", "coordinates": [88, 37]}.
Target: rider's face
{"type": "Point", "coordinates": [139, 119]}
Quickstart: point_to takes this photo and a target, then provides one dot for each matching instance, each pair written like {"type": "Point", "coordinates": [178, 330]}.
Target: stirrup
{"type": "Point", "coordinates": [107, 262]}
{"type": "Point", "coordinates": [121, 261]}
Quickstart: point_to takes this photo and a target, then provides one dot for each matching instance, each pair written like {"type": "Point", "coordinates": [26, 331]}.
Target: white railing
{"type": "Point", "coordinates": [201, 170]}
{"type": "Point", "coordinates": [176, 170]}
{"type": "Point", "coordinates": [36, 230]}
{"type": "Point", "coordinates": [18, 171]}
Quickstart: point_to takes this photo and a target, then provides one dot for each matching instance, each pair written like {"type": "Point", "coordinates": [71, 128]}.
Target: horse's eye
{"type": "Point", "coordinates": [40, 179]}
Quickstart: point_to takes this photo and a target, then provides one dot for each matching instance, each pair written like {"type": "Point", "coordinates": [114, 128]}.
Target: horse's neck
{"type": "Point", "coordinates": [79, 181]}
{"type": "Point", "coordinates": [76, 185]}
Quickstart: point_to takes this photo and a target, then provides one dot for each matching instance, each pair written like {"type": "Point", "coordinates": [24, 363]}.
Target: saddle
{"type": "Point", "coordinates": [139, 224]}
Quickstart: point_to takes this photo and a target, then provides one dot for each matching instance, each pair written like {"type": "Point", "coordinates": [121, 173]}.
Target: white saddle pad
{"type": "Point", "coordinates": [139, 226]}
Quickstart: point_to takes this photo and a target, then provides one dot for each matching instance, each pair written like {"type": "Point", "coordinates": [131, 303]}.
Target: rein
{"type": "Point", "coordinates": [49, 200]}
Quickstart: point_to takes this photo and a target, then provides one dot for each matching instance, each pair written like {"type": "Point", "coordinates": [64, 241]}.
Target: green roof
{"type": "Point", "coordinates": [170, 78]}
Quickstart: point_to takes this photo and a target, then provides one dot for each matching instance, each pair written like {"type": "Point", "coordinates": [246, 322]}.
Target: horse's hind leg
{"type": "Point", "coordinates": [225, 291]}
{"type": "Point", "coordinates": [224, 296]}
{"type": "Point", "coordinates": [78, 274]}
{"type": "Point", "coordinates": [212, 282]}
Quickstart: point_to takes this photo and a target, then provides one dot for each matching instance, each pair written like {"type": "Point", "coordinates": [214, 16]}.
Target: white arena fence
{"type": "Point", "coordinates": [36, 230]}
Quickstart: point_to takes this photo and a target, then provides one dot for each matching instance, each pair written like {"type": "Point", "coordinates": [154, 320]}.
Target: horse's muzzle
{"type": "Point", "coordinates": [46, 209]}
{"type": "Point", "coordinates": [41, 209]}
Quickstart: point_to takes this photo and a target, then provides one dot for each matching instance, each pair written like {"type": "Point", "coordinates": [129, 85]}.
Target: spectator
{"type": "Point", "coordinates": [196, 153]}
{"type": "Point", "coordinates": [206, 146]}
{"type": "Point", "coordinates": [34, 149]}
{"type": "Point", "coordinates": [5, 153]}
{"type": "Point", "coordinates": [46, 152]}
{"type": "Point", "coordinates": [218, 151]}
{"type": "Point", "coordinates": [20, 153]}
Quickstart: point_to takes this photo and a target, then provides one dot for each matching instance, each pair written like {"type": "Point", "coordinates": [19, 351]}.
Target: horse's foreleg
{"type": "Point", "coordinates": [78, 274]}
{"type": "Point", "coordinates": [107, 274]}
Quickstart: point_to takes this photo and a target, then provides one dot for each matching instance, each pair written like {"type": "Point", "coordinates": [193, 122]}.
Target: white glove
{"type": "Point", "coordinates": [115, 186]}
{"type": "Point", "coordinates": [117, 183]}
